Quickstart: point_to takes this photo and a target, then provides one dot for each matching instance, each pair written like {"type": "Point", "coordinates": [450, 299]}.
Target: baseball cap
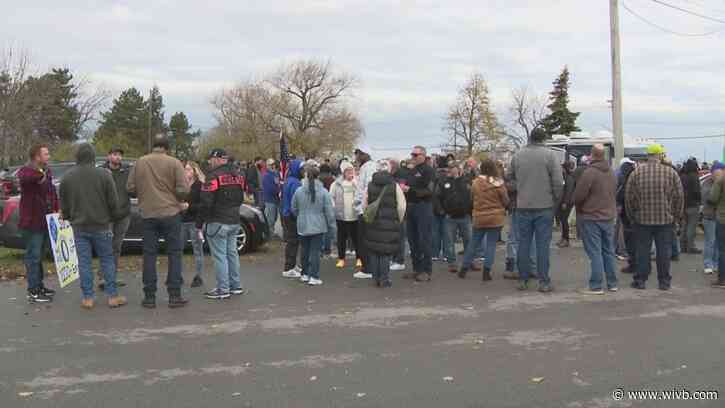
{"type": "Point", "coordinates": [655, 148]}
{"type": "Point", "coordinates": [218, 153]}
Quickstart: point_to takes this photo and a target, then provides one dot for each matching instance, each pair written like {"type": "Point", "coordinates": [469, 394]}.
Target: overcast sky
{"type": "Point", "coordinates": [411, 56]}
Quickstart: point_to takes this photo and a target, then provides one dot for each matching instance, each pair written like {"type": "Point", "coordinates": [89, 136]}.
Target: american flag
{"type": "Point", "coordinates": [283, 157]}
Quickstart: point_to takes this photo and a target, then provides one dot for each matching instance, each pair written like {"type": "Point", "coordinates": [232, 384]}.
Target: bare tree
{"type": "Point", "coordinates": [89, 102]}
{"type": "Point", "coordinates": [308, 90]}
{"type": "Point", "coordinates": [471, 122]}
{"type": "Point", "coordinates": [527, 110]}
{"type": "Point", "coordinates": [14, 69]}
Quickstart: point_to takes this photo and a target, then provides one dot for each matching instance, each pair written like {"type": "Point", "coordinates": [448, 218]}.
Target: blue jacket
{"type": "Point", "coordinates": [313, 218]}
{"type": "Point", "coordinates": [290, 186]}
{"type": "Point", "coordinates": [270, 187]}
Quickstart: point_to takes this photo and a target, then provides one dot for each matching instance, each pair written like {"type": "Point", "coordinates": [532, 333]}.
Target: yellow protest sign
{"type": "Point", "coordinates": [63, 246]}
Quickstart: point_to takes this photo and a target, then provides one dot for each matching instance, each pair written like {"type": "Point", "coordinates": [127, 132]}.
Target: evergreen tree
{"type": "Point", "coordinates": [561, 121]}
{"type": "Point", "coordinates": [155, 105]}
{"type": "Point", "coordinates": [182, 138]}
{"type": "Point", "coordinates": [125, 124]}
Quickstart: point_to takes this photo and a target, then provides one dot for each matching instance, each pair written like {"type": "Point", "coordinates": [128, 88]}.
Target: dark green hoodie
{"type": "Point", "coordinates": [88, 197]}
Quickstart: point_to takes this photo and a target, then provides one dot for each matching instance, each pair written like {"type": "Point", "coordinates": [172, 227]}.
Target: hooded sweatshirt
{"type": "Point", "coordinates": [291, 184]}
{"type": "Point", "coordinates": [595, 193]}
{"type": "Point", "coordinates": [270, 187]}
{"type": "Point", "coordinates": [88, 197]}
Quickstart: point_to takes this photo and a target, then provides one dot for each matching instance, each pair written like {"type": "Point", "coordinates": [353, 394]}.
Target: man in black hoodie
{"type": "Point", "coordinates": [693, 199]}
{"type": "Point", "coordinates": [454, 194]}
{"type": "Point", "coordinates": [89, 201]}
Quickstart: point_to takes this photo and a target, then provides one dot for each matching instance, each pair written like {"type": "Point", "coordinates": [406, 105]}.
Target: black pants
{"type": "Point", "coordinates": [662, 236]}
{"type": "Point", "coordinates": [563, 216]}
{"type": "Point", "coordinates": [361, 250]}
{"type": "Point", "coordinates": [346, 230]}
{"type": "Point", "coordinates": [630, 243]}
{"type": "Point", "coordinates": [168, 228]}
{"type": "Point", "coordinates": [292, 242]}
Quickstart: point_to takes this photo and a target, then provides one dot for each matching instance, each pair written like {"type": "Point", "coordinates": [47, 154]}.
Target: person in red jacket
{"type": "Point", "coordinates": [38, 198]}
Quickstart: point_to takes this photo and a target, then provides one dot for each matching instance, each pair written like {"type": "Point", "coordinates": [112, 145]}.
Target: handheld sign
{"type": "Point", "coordinates": [63, 246]}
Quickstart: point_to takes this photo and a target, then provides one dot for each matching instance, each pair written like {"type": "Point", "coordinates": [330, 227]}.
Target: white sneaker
{"type": "Point", "coordinates": [397, 267]}
{"type": "Point", "coordinates": [304, 278]}
{"type": "Point", "coordinates": [292, 273]}
{"type": "Point", "coordinates": [362, 275]}
{"type": "Point", "coordinates": [298, 268]}
{"type": "Point", "coordinates": [314, 282]}
{"type": "Point", "coordinates": [708, 271]}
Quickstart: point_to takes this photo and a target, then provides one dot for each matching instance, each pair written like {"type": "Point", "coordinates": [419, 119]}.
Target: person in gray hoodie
{"type": "Point", "coordinates": [312, 206]}
{"type": "Point", "coordinates": [535, 174]}
{"type": "Point", "coordinates": [89, 201]}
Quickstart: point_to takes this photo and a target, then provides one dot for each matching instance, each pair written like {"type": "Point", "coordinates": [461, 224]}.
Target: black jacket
{"type": "Point", "coordinates": [192, 213]}
{"type": "Point", "coordinates": [221, 196]}
{"type": "Point", "coordinates": [383, 235]}
{"type": "Point", "coordinates": [454, 195]}
{"type": "Point", "coordinates": [691, 186]}
{"type": "Point", "coordinates": [420, 180]}
{"type": "Point", "coordinates": [567, 197]}
{"type": "Point", "coordinates": [120, 178]}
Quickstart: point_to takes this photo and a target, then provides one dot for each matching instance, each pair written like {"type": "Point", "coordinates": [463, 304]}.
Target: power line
{"type": "Point", "coordinates": [694, 13]}
{"type": "Point", "coordinates": [689, 137]}
{"type": "Point", "coordinates": [665, 29]}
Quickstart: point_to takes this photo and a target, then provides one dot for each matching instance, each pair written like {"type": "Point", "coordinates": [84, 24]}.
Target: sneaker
{"type": "Point", "coordinates": [435, 259]}
{"type": "Point", "coordinates": [117, 301]}
{"type": "Point", "coordinates": [197, 282]}
{"type": "Point", "coordinates": [523, 285]}
{"type": "Point", "coordinates": [304, 278]}
{"type": "Point", "coordinates": [588, 291]}
{"type": "Point", "coordinates": [637, 285]}
{"type": "Point", "coordinates": [87, 303]}
{"type": "Point", "coordinates": [708, 271]}
{"type": "Point", "coordinates": [298, 268]}
{"type": "Point", "coordinates": [397, 267]}
{"type": "Point", "coordinates": [613, 289]}
{"type": "Point", "coordinates": [149, 302]}
{"type": "Point", "coordinates": [37, 296]}
{"type": "Point", "coordinates": [718, 284]}
{"type": "Point", "coordinates": [238, 291]}
{"type": "Point", "coordinates": [340, 264]}
{"type": "Point", "coordinates": [314, 282]}
{"type": "Point", "coordinates": [176, 302]}
{"type": "Point", "coordinates": [545, 288]}
{"type": "Point", "coordinates": [292, 274]}
{"type": "Point", "coordinates": [362, 275]}
{"type": "Point", "coordinates": [217, 294]}
{"type": "Point", "coordinates": [423, 277]}
{"type": "Point", "coordinates": [621, 257]}
{"type": "Point", "coordinates": [47, 292]}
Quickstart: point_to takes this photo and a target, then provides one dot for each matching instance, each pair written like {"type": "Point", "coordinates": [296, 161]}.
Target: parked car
{"type": "Point", "coordinates": [254, 232]}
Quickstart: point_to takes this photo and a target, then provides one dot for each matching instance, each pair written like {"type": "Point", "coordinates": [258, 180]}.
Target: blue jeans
{"type": "Point", "coordinates": [33, 258]}
{"type": "Point", "coordinates": [197, 245]}
{"type": "Point", "coordinates": [662, 235]}
{"type": "Point", "coordinates": [327, 240]}
{"type": "Point", "coordinates": [479, 234]}
{"type": "Point", "coordinates": [720, 238]}
{"type": "Point", "coordinates": [420, 228]}
{"type": "Point", "coordinates": [379, 266]}
{"type": "Point", "coordinates": [440, 236]}
{"type": "Point", "coordinates": [456, 225]}
{"type": "Point", "coordinates": [512, 243]}
{"type": "Point", "coordinates": [223, 245]}
{"type": "Point", "coordinates": [168, 228]}
{"type": "Point", "coordinates": [710, 253]}
{"type": "Point", "coordinates": [535, 224]}
{"type": "Point", "coordinates": [598, 238]}
{"type": "Point", "coordinates": [271, 212]}
{"type": "Point", "coordinates": [102, 244]}
{"type": "Point", "coordinates": [311, 248]}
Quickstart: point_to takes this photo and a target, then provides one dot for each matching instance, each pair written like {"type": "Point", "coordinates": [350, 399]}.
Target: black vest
{"type": "Point", "coordinates": [383, 235]}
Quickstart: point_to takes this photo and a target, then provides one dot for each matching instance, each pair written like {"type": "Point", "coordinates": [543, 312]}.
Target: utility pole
{"type": "Point", "coordinates": [616, 82]}
{"type": "Point", "coordinates": [148, 141]}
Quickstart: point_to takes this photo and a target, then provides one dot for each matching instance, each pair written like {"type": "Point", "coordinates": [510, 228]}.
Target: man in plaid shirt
{"type": "Point", "coordinates": [654, 201]}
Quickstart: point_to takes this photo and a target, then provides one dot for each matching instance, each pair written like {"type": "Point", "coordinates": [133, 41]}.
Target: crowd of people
{"type": "Point", "coordinates": [379, 213]}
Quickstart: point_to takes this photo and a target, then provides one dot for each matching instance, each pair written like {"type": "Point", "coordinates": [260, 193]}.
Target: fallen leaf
{"type": "Point", "coordinates": [361, 394]}
{"type": "Point", "coordinates": [537, 380]}
{"type": "Point", "coordinates": [448, 379]}
{"type": "Point", "coordinates": [25, 394]}
{"type": "Point", "coordinates": [479, 341]}
{"type": "Point", "coordinates": [236, 394]}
